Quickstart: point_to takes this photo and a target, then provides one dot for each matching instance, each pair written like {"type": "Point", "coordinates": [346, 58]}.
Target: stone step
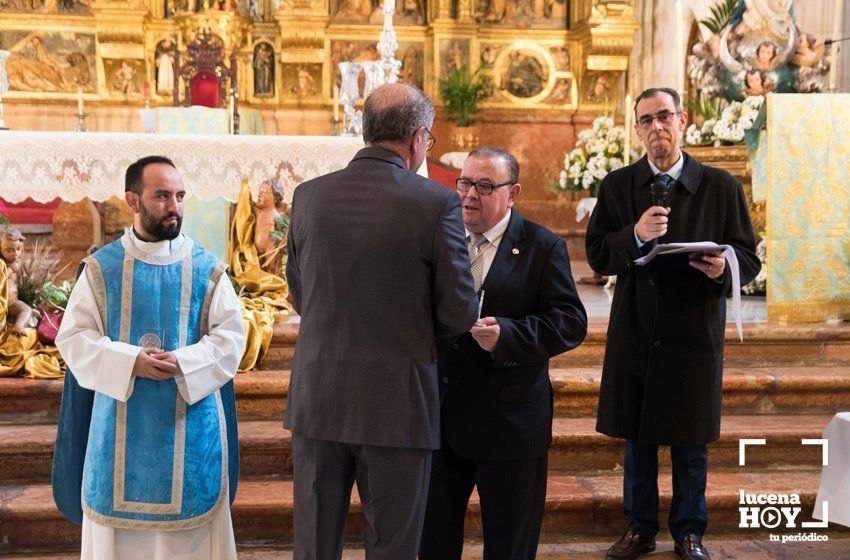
{"type": "Point", "coordinates": [764, 344]}
{"type": "Point", "coordinates": [567, 548]}
{"type": "Point", "coordinates": [261, 395]}
{"type": "Point", "coordinates": [26, 451]}
{"type": "Point", "coordinates": [586, 506]}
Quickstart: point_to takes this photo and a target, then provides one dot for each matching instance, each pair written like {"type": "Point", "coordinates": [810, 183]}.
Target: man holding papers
{"type": "Point", "coordinates": [662, 375]}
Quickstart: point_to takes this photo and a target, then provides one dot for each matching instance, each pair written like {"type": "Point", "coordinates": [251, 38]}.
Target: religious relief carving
{"type": "Point", "coordinates": [407, 12]}
{"type": "Point", "coordinates": [523, 14]}
{"type": "Point", "coordinates": [69, 7]}
{"type": "Point", "coordinates": [599, 87]}
{"type": "Point", "coordinates": [412, 58]}
{"type": "Point", "coordinates": [263, 64]}
{"type": "Point", "coordinates": [49, 61]}
{"type": "Point", "coordinates": [454, 53]}
{"type": "Point", "coordinates": [302, 81]}
{"type": "Point", "coordinates": [524, 74]}
{"type": "Point", "coordinates": [562, 58]}
{"type": "Point", "coordinates": [124, 76]}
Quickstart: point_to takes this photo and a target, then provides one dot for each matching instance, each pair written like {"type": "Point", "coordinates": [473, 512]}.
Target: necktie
{"type": "Point", "coordinates": [476, 240]}
{"type": "Point", "coordinates": [666, 178]}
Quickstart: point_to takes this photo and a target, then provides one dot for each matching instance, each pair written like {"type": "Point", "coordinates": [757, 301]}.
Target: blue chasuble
{"type": "Point", "coordinates": [154, 462]}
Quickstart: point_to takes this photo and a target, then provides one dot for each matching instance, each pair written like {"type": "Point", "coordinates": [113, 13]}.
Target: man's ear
{"type": "Point", "coordinates": [513, 194]}
{"type": "Point", "coordinates": [132, 201]}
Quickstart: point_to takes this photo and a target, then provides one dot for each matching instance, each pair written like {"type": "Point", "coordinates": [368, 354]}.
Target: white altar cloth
{"type": "Point", "coordinates": [75, 165]}
{"type": "Point", "coordinates": [835, 477]}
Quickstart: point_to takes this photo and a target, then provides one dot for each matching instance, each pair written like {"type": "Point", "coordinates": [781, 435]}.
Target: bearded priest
{"type": "Point", "coordinates": [146, 453]}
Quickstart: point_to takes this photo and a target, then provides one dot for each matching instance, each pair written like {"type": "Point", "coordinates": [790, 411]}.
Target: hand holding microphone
{"type": "Point", "coordinates": [653, 222]}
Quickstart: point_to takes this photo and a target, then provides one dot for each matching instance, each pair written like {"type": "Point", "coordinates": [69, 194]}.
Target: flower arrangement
{"type": "Point", "coordinates": [759, 284]}
{"type": "Point", "coordinates": [599, 151]}
{"type": "Point", "coordinates": [727, 127]}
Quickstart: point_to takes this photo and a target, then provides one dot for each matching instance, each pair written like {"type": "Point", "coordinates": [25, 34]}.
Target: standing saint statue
{"type": "Point", "coordinates": [263, 64]}
{"type": "Point", "coordinates": [165, 67]}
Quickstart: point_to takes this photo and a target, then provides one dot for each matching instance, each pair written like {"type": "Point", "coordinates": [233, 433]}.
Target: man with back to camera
{"type": "Point", "coordinates": [152, 336]}
{"type": "Point", "coordinates": [663, 369]}
{"type": "Point", "coordinates": [378, 269]}
{"type": "Point", "coordinates": [497, 398]}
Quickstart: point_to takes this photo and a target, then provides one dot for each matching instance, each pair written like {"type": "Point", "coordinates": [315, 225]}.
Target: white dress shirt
{"type": "Point", "coordinates": [493, 237]}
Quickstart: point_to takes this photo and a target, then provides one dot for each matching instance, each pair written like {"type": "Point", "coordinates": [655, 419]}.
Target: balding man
{"type": "Point", "coordinates": [378, 269]}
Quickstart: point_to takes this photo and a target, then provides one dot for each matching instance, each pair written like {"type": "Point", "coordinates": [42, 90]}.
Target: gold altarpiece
{"type": "Point", "coordinates": [541, 54]}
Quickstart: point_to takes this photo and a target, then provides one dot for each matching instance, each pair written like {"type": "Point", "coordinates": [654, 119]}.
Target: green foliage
{"type": "Point", "coordinates": [4, 221]}
{"type": "Point", "coordinates": [707, 107]}
{"type": "Point", "coordinates": [36, 279]}
{"type": "Point", "coordinates": [461, 92]}
{"type": "Point", "coordinates": [721, 13]}
{"type": "Point", "coordinates": [281, 225]}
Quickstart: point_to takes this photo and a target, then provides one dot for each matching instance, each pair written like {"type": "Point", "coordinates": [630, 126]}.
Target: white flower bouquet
{"type": "Point", "coordinates": [599, 151]}
{"type": "Point", "coordinates": [728, 128]}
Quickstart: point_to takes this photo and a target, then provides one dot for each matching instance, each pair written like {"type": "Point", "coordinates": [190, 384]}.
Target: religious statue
{"type": "Point", "coordinates": [263, 64]}
{"type": "Point", "coordinates": [453, 59]}
{"type": "Point", "coordinates": [354, 10]}
{"type": "Point", "coordinates": [165, 67]}
{"type": "Point", "coordinates": [18, 313]}
{"type": "Point", "coordinates": [270, 226]}
{"type": "Point", "coordinates": [760, 36]}
{"type": "Point", "coordinates": [524, 76]}
{"type": "Point", "coordinates": [32, 68]}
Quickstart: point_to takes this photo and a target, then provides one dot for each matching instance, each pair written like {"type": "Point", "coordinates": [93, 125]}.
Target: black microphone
{"type": "Point", "coordinates": [660, 191]}
{"type": "Point", "coordinates": [829, 42]}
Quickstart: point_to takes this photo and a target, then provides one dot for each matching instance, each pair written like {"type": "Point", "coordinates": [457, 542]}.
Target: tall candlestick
{"type": "Point", "coordinates": [836, 49]}
{"type": "Point", "coordinates": [230, 111]}
{"type": "Point", "coordinates": [336, 103]}
{"type": "Point", "coordinates": [79, 101]}
{"type": "Point", "coordinates": [627, 144]}
{"type": "Point", "coordinates": [680, 47]}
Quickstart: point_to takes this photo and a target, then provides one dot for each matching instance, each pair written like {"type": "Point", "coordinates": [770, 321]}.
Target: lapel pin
{"type": "Point", "coordinates": [515, 251]}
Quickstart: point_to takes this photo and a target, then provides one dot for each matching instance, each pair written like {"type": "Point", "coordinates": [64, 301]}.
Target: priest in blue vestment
{"type": "Point", "coordinates": [147, 453]}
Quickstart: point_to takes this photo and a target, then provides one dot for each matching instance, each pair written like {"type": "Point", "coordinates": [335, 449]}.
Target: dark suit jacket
{"type": "Point", "coordinates": [378, 269]}
{"type": "Point", "coordinates": [498, 407]}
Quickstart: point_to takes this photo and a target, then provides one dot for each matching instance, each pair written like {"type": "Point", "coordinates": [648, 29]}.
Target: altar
{"type": "Point", "coordinates": [75, 166]}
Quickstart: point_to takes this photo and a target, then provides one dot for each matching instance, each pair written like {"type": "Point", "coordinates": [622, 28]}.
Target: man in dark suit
{"type": "Point", "coordinates": [497, 399]}
{"type": "Point", "coordinates": [663, 370]}
{"type": "Point", "coordinates": [378, 269]}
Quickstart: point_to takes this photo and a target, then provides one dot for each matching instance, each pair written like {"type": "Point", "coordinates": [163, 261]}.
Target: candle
{"type": "Point", "coordinates": [147, 90]}
{"type": "Point", "coordinates": [680, 47]}
{"type": "Point", "coordinates": [79, 101]}
{"type": "Point", "coordinates": [336, 103]}
{"type": "Point", "coordinates": [230, 111]}
{"type": "Point", "coordinates": [836, 34]}
{"type": "Point", "coordinates": [628, 126]}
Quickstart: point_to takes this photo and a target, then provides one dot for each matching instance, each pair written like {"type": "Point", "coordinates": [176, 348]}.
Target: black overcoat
{"type": "Point", "coordinates": [663, 368]}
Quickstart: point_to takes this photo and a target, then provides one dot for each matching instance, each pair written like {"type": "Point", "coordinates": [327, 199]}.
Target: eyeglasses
{"type": "Point", "coordinates": [484, 188]}
{"type": "Point", "coordinates": [664, 117]}
{"type": "Point", "coordinates": [429, 140]}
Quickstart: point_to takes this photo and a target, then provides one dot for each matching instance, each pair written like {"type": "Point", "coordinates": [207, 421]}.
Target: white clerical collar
{"type": "Point", "coordinates": [675, 171]}
{"type": "Point", "coordinates": [494, 234]}
{"type": "Point", "coordinates": [157, 252]}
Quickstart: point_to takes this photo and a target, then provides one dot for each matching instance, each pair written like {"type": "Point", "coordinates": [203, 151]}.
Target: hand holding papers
{"type": "Point", "coordinates": [703, 246]}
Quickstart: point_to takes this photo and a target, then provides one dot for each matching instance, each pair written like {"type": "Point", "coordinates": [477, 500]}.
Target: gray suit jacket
{"type": "Point", "coordinates": [378, 269]}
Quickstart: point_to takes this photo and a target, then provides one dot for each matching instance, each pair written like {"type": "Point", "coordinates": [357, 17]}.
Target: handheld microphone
{"type": "Point", "coordinates": [660, 192]}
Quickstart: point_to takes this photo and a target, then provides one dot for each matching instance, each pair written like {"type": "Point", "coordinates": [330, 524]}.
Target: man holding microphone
{"type": "Point", "coordinates": [663, 368]}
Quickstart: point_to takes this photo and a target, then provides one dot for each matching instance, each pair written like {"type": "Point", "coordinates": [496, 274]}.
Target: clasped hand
{"type": "Point", "coordinates": [486, 336]}
{"type": "Point", "coordinates": [156, 364]}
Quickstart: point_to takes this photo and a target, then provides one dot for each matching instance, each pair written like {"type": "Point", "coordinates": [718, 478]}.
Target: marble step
{"type": "Point", "coordinates": [764, 344]}
{"type": "Point", "coordinates": [26, 451]}
{"type": "Point", "coordinates": [586, 506]}
{"type": "Point", "coordinates": [261, 395]}
{"type": "Point", "coordinates": [566, 548]}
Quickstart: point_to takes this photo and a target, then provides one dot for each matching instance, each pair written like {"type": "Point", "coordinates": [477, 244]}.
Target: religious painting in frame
{"type": "Point", "coordinates": [600, 88]}
{"type": "Point", "coordinates": [50, 61]}
{"type": "Point", "coordinates": [454, 53]}
{"type": "Point", "coordinates": [522, 14]}
{"type": "Point", "coordinates": [124, 77]}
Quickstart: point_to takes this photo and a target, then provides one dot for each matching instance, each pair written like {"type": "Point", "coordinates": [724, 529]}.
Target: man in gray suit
{"type": "Point", "coordinates": [378, 269]}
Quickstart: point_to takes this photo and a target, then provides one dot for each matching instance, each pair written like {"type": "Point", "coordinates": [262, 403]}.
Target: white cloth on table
{"type": "Point", "coordinates": [835, 477]}
{"type": "Point", "coordinates": [106, 366]}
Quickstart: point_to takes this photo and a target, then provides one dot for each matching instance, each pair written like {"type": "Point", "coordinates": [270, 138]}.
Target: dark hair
{"type": "Point", "coordinates": [507, 158]}
{"type": "Point", "coordinates": [656, 91]}
{"type": "Point", "coordinates": [396, 120]}
{"type": "Point", "coordinates": [133, 176]}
